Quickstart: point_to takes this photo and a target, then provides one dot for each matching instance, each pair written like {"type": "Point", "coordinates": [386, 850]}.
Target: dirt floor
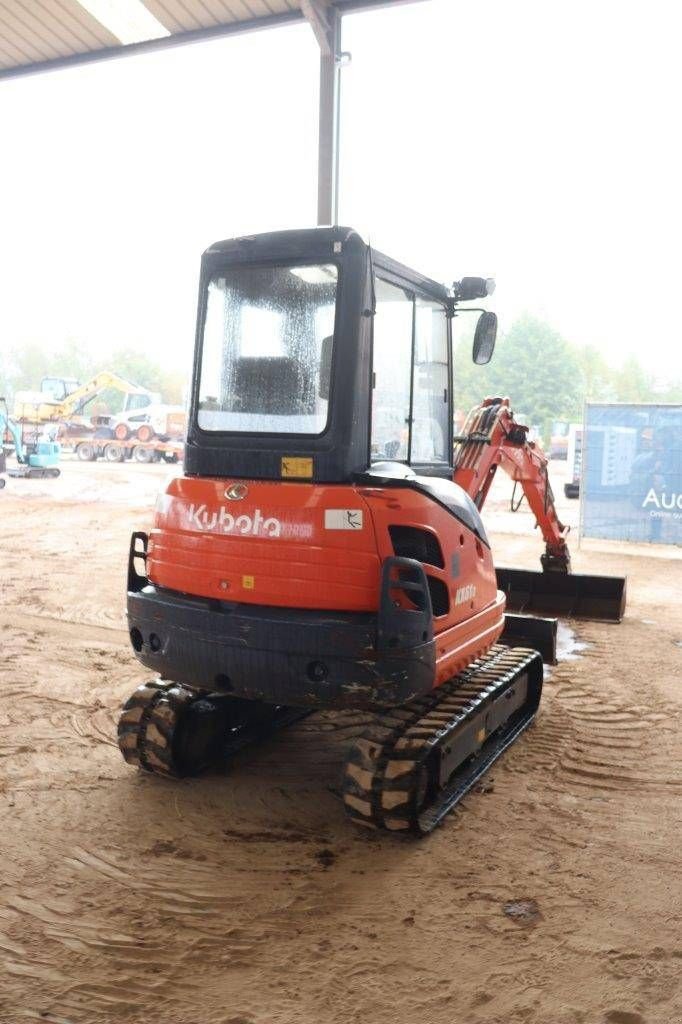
{"type": "Point", "coordinates": [551, 897]}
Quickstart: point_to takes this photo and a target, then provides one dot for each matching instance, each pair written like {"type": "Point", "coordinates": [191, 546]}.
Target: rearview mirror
{"type": "Point", "coordinates": [484, 338]}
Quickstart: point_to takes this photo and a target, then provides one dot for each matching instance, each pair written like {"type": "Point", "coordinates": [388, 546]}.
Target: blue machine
{"type": "Point", "coordinates": [38, 459]}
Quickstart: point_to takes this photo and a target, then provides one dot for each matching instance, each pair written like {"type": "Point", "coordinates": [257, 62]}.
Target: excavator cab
{"type": "Point", "coordinates": [58, 388]}
{"type": "Point", "coordinates": [325, 547]}
{"type": "Point", "coordinates": [317, 358]}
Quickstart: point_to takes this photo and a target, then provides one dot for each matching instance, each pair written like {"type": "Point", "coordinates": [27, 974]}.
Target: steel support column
{"type": "Point", "coordinates": [325, 21]}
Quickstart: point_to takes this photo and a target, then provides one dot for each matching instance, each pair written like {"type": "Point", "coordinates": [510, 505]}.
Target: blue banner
{"type": "Point", "coordinates": [631, 485]}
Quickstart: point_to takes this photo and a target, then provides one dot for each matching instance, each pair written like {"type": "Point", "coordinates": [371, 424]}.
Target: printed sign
{"type": "Point", "coordinates": [632, 473]}
{"type": "Point", "coordinates": [343, 519]}
{"type": "Point", "coordinates": [298, 468]}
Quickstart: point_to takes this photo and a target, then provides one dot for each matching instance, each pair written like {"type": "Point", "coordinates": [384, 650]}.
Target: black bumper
{"type": "Point", "coordinates": [286, 656]}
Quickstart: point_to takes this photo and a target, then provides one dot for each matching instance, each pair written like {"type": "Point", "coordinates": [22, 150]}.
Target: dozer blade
{"type": "Point", "coordinates": [408, 771]}
{"type": "Point", "coordinates": [568, 595]}
{"type": "Point", "coordinates": [531, 631]}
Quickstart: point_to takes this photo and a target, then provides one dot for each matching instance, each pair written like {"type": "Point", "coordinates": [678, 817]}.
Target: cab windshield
{"type": "Point", "coordinates": [267, 350]}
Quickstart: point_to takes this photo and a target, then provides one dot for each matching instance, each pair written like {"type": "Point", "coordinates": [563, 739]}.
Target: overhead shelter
{"type": "Point", "coordinates": [43, 35]}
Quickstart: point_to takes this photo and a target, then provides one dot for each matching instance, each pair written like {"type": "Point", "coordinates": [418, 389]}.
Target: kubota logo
{"type": "Point", "coordinates": [255, 525]}
{"type": "Point", "coordinates": [235, 492]}
{"type": "Point", "coordinates": [464, 594]}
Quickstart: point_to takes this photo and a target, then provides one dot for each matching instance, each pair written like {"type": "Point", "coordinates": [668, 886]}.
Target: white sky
{"type": "Point", "coordinates": [537, 142]}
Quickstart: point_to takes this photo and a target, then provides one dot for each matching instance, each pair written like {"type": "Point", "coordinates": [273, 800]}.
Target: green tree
{"type": "Point", "coordinates": [633, 384]}
{"type": "Point", "coordinates": [74, 359]}
{"type": "Point", "coordinates": [596, 375]}
{"type": "Point", "coordinates": [141, 369]}
{"type": "Point", "coordinates": [533, 365]}
{"type": "Point", "coordinates": [22, 368]}
{"type": "Point", "coordinates": [26, 365]}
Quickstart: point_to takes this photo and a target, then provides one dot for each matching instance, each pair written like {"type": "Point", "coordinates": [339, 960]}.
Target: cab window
{"type": "Point", "coordinates": [392, 368]}
{"type": "Point", "coordinates": [430, 389]}
{"type": "Point", "coordinates": [410, 378]}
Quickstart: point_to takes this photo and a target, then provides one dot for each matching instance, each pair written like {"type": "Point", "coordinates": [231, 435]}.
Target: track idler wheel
{"type": "Point", "coordinates": [171, 730]}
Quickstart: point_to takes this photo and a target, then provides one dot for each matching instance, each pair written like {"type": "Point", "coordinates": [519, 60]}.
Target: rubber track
{"type": "Point", "coordinates": [150, 718]}
{"type": "Point", "coordinates": [148, 722]}
{"type": "Point", "coordinates": [389, 781]}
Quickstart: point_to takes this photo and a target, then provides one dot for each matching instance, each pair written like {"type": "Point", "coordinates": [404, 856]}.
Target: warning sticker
{"type": "Point", "coordinates": [343, 519]}
{"type": "Point", "coordinates": [297, 467]}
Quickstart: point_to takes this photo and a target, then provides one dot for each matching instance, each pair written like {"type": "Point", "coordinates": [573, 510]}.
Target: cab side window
{"type": "Point", "coordinates": [392, 368]}
{"type": "Point", "coordinates": [410, 378]}
{"type": "Point", "coordinates": [430, 394]}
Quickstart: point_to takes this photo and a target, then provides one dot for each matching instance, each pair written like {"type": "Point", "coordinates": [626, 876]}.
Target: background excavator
{"type": "Point", "coordinates": [64, 400]}
{"type": "Point", "coordinates": [325, 547]}
{"type": "Point", "coordinates": [39, 458]}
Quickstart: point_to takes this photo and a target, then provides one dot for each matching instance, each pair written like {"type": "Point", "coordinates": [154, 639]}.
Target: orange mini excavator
{"type": "Point", "coordinates": [325, 547]}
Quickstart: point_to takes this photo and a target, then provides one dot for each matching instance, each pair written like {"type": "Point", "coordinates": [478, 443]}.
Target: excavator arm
{"type": "Point", "coordinates": [9, 426]}
{"type": "Point", "coordinates": [491, 438]}
{"type": "Point", "coordinates": [42, 407]}
{"type": "Point", "coordinates": [73, 403]}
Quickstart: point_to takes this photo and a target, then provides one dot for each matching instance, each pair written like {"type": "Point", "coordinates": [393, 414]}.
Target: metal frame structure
{"type": "Point", "coordinates": [325, 18]}
{"type": "Point", "coordinates": [325, 21]}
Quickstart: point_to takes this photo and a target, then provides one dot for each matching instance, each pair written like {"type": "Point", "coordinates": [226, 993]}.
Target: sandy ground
{"type": "Point", "coordinates": [552, 896]}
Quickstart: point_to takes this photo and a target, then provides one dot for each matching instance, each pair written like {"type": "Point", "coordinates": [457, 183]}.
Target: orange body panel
{"type": "Point", "coordinates": [300, 545]}
{"type": "Point", "coordinates": [269, 547]}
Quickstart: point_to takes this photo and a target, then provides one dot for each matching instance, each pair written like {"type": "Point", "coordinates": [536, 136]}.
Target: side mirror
{"type": "Point", "coordinates": [325, 365]}
{"type": "Point", "coordinates": [484, 338]}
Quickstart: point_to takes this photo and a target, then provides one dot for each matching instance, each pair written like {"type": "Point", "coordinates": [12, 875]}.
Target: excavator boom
{"type": "Point", "coordinates": [86, 392]}
{"type": "Point", "coordinates": [492, 438]}
{"type": "Point", "coordinates": [40, 407]}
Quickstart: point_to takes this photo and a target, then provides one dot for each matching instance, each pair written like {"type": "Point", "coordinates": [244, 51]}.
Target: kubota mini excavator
{"type": "Point", "coordinates": [325, 549]}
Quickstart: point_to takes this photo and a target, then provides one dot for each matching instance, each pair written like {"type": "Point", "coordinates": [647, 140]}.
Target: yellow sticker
{"type": "Point", "coordinates": [301, 468]}
{"type": "Point", "coordinates": [480, 735]}
{"type": "Point", "coordinates": [248, 582]}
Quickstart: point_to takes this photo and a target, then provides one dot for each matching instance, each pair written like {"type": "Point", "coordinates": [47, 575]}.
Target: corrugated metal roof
{"type": "Point", "coordinates": [37, 35]}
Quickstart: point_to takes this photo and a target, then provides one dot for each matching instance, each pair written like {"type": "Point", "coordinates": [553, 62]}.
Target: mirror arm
{"type": "Point", "coordinates": [453, 310]}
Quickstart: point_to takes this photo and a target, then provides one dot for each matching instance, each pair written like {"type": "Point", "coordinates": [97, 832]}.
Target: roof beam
{"type": "Point", "coordinates": [322, 17]}
{"type": "Point", "coordinates": [181, 38]}
{"type": "Point", "coordinates": [152, 45]}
